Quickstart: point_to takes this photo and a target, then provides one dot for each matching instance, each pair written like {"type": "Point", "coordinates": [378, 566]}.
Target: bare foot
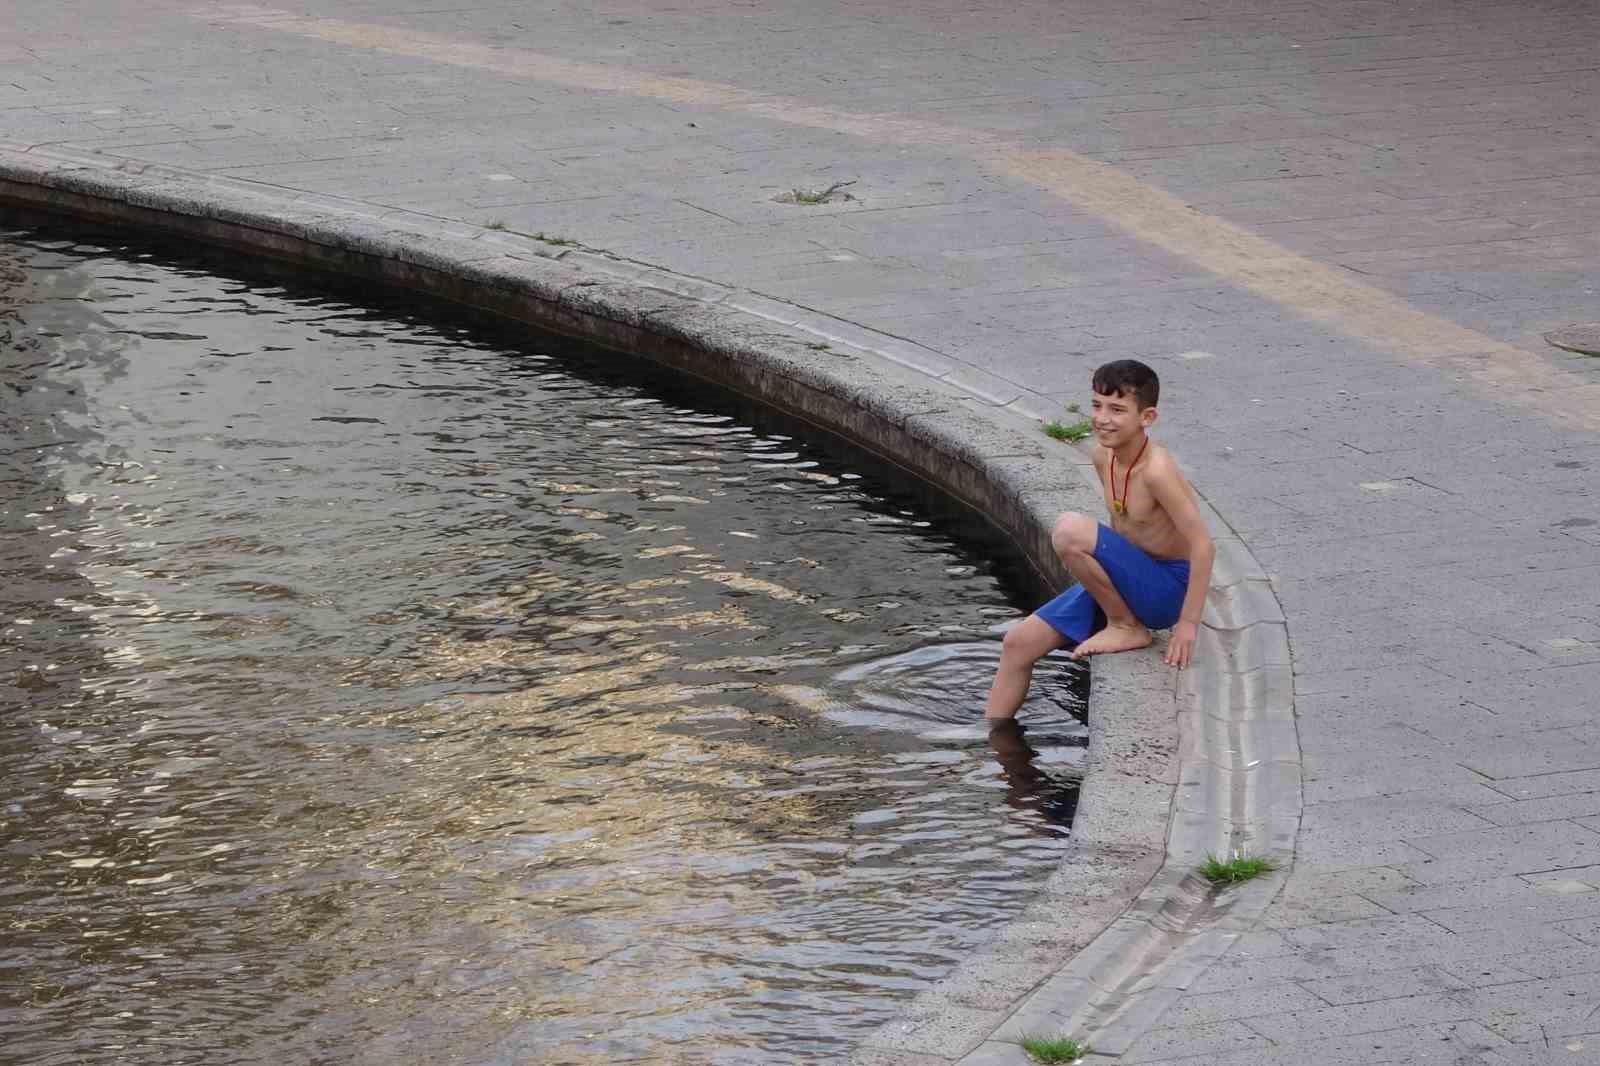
{"type": "Point", "coordinates": [1114, 638]}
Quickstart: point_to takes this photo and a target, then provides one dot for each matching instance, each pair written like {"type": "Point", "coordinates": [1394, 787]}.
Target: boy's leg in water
{"type": "Point", "coordinates": [1022, 777]}
{"type": "Point", "coordinates": [1075, 538]}
{"type": "Point", "coordinates": [1025, 644]}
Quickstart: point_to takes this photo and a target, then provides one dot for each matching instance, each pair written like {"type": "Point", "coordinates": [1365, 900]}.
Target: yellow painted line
{"type": "Point", "coordinates": [1317, 291]}
{"type": "Point", "coordinates": [1322, 293]}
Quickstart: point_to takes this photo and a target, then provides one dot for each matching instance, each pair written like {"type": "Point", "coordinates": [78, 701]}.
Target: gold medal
{"type": "Point", "coordinates": [1120, 507]}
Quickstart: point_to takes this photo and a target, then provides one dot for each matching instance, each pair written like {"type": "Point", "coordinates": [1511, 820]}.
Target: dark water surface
{"type": "Point", "coordinates": [378, 688]}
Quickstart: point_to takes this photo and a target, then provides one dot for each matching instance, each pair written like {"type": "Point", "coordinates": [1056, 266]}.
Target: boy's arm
{"type": "Point", "coordinates": [1173, 494]}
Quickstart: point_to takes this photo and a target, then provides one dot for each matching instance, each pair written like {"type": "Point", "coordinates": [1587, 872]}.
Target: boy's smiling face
{"type": "Point", "coordinates": [1118, 419]}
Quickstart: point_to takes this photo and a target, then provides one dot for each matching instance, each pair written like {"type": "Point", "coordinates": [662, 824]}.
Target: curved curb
{"type": "Point", "coordinates": [1238, 791]}
{"type": "Point", "coordinates": [1176, 768]}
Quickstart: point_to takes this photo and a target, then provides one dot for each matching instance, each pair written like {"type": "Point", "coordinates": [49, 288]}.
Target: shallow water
{"type": "Point", "coordinates": [386, 688]}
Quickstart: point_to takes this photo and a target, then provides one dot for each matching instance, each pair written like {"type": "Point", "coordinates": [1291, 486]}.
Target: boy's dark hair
{"type": "Point", "coordinates": [1130, 376]}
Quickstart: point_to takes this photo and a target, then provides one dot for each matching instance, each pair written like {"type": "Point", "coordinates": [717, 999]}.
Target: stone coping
{"type": "Point", "coordinates": [1178, 765]}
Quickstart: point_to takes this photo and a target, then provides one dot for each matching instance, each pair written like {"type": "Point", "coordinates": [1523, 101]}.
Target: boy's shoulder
{"type": "Point", "coordinates": [1161, 461]}
{"type": "Point", "coordinates": [1164, 471]}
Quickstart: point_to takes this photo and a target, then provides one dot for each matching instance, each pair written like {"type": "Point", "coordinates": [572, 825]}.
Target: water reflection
{"type": "Point", "coordinates": [1029, 784]}
{"type": "Point", "coordinates": [380, 690]}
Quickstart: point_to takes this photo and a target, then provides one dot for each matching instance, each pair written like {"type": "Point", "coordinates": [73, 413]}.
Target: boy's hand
{"type": "Point", "coordinates": [1180, 647]}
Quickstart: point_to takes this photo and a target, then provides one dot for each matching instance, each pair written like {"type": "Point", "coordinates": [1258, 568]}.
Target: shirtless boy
{"type": "Point", "coordinates": [1149, 570]}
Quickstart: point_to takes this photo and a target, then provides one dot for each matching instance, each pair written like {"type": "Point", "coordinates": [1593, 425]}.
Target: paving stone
{"type": "Point", "coordinates": [1385, 984]}
{"type": "Point", "coordinates": [1292, 912]}
{"type": "Point", "coordinates": [1535, 1011]}
{"type": "Point", "coordinates": [992, 1053]}
{"type": "Point", "coordinates": [1450, 872]}
{"type": "Point", "coordinates": [1519, 849]}
{"type": "Point", "coordinates": [1346, 851]}
{"type": "Point", "coordinates": [1535, 907]}
{"type": "Point", "coordinates": [1376, 933]}
{"type": "Point", "coordinates": [1477, 972]}
{"type": "Point", "coordinates": [1586, 929]}
{"type": "Point", "coordinates": [1489, 891]}
{"type": "Point", "coordinates": [1405, 814]}
{"type": "Point", "coordinates": [1360, 880]}
{"type": "Point", "coordinates": [1550, 962]}
{"type": "Point", "coordinates": [1191, 1040]}
{"type": "Point", "coordinates": [1343, 1021]}
{"type": "Point", "coordinates": [1334, 778]}
{"type": "Point", "coordinates": [1447, 1044]}
{"type": "Point", "coordinates": [1406, 940]}
{"type": "Point", "coordinates": [1543, 786]}
{"type": "Point", "coordinates": [1470, 960]}
{"type": "Point", "coordinates": [1207, 1008]}
{"type": "Point", "coordinates": [1240, 974]}
{"type": "Point", "coordinates": [1566, 881]}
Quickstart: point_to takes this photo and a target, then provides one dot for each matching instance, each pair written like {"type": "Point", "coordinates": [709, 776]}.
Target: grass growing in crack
{"type": "Point", "coordinates": [1073, 408]}
{"type": "Point", "coordinates": [1053, 1049]}
{"type": "Point", "coordinates": [1232, 871]}
{"type": "Point", "coordinates": [547, 238]}
{"type": "Point", "coordinates": [798, 195]}
{"type": "Point", "coordinates": [1072, 432]}
{"type": "Point", "coordinates": [819, 346]}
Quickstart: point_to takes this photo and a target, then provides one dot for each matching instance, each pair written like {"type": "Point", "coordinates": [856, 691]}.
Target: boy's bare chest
{"type": "Point", "coordinates": [1135, 512]}
{"type": "Point", "coordinates": [1130, 501]}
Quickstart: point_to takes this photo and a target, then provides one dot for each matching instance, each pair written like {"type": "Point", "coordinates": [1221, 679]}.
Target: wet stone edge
{"type": "Point", "coordinates": [1121, 925]}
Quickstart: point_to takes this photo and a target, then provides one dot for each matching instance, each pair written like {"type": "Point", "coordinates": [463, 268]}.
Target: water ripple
{"type": "Point", "coordinates": [377, 689]}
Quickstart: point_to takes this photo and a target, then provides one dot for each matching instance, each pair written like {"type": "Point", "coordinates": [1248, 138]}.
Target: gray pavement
{"type": "Point", "coordinates": [1339, 231]}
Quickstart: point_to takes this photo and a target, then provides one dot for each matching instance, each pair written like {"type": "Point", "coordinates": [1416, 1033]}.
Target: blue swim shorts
{"type": "Point", "coordinates": [1153, 589]}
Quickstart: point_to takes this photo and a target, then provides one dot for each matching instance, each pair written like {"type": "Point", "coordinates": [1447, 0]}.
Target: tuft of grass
{"type": "Point", "coordinates": [819, 346]}
{"type": "Point", "coordinates": [560, 242]}
{"type": "Point", "coordinates": [798, 195]}
{"type": "Point", "coordinates": [495, 223]}
{"type": "Point", "coordinates": [1053, 1049]}
{"type": "Point", "coordinates": [1073, 432]}
{"type": "Point", "coordinates": [1239, 868]}
{"type": "Point", "coordinates": [1074, 408]}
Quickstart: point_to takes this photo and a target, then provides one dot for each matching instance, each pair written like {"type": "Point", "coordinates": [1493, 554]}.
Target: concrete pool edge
{"type": "Point", "coordinates": [1121, 925]}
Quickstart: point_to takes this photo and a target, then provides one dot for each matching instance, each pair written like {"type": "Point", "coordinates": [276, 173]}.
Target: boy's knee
{"type": "Point", "coordinates": [1074, 533]}
{"type": "Point", "coordinates": [1028, 641]}
{"type": "Point", "coordinates": [1015, 642]}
